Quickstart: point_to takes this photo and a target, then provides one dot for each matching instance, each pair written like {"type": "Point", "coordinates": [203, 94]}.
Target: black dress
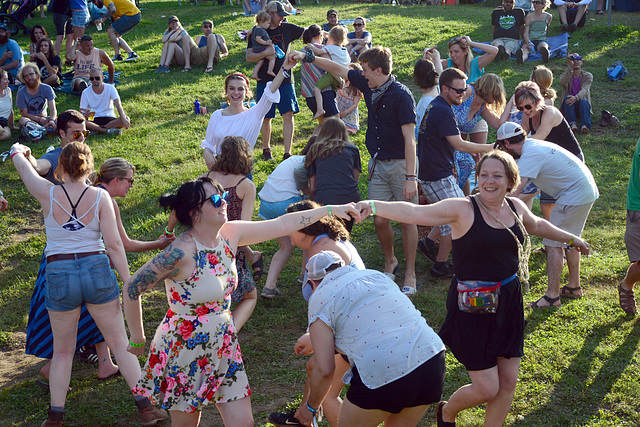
{"type": "Point", "coordinates": [485, 253]}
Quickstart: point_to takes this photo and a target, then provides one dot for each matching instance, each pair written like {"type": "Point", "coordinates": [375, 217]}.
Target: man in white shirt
{"type": "Point", "coordinates": [573, 14]}
{"type": "Point", "coordinates": [97, 105]}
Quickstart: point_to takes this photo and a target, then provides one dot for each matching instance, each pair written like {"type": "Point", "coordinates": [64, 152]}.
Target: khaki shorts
{"type": "Point", "coordinates": [388, 180]}
{"type": "Point", "coordinates": [200, 56]}
{"type": "Point", "coordinates": [510, 44]}
{"type": "Point", "coordinates": [632, 235]}
{"type": "Point", "coordinates": [568, 218]}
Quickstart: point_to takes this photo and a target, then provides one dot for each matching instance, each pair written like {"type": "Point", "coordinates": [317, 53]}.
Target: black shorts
{"type": "Point", "coordinates": [422, 386]}
{"type": "Point", "coordinates": [571, 16]}
{"type": "Point", "coordinates": [328, 103]}
{"type": "Point", "coordinates": [63, 24]}
{"type": "Point", "coordinates": [102, 121]}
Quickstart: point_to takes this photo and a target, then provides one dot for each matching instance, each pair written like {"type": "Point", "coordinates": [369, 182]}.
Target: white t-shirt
{"type": "Point", "coordinates": [374, 324]}
{"type": "Point", "coordinates": [557, 172]}
{"type": "Point", "coordinates": [338, 54]}
{"type": "Point", "coordinates": [6, 106]}
{"type": "Point", "coordinates": [101, 104]}
{"type": "Point", "coordinates": [281, 185]}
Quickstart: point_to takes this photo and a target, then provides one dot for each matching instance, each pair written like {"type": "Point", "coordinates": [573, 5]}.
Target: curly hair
{"type": "Point", "coordinates": [76, 160]}
{"type": "Point", "coordinates": [235, 157]}
{"type": "Point", "coordinates": [189, 198]}
{"type": "Point", "coordinates": [115, 167]}
{"type": "Point", "coordinates": [329, 224]}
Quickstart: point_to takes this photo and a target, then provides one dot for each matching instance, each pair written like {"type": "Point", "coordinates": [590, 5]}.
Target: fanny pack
{"type": "Point", "coordinates": [480, 296]}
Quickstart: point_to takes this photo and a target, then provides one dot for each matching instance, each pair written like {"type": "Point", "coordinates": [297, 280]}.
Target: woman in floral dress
{"type": "Point", "coordinates": [195, 358]}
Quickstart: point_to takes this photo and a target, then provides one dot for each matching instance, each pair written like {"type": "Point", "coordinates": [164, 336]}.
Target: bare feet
{"type": "Point", "coordinates": [319, 113]}
{"type": "Point", "coordinates": [254, 76]}
{"type": "Point", "coordinates": [271, 73]}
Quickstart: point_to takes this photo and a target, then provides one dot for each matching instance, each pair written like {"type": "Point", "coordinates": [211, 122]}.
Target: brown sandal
{"type": "Point", "coordinates": [627, 300]}
{"type": "Point", "coordinates": [570, 292]}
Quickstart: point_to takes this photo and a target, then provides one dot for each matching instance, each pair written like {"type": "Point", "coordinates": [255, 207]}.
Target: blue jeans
{"type": "Point", "coordinates": [580, 109]}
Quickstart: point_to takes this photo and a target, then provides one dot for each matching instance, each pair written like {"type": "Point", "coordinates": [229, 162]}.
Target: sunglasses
{"type": "Point", "coordinates": [77, 135]}
{"type": "Point", "coordinates": [575, 58]}
{"type": "Point", "coordinates": [525, 107]}
{"type": "Point", "coordinates": [130, 180]}
{"type": "Point", "coordinates": [95, 78]}
{"type": "Point", "coordinates": [358, 25]}
{"type": "Point", "coordinates": [208, 26]}
{"type": "Point", "coordinates": [216, 199]}
{"type": "Point", "coordinates": [458, 91]}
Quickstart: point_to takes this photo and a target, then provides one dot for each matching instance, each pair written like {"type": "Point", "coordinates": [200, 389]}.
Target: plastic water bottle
{"type": "Point", "coordinates": [393, 2]}
{"type": "Point", "coordinates": [196, 107]}
{"type": "Point", "coordinates": [615, 72]}
{"type": "Point", "coordinates": [279, 52]}
{"type": "Point", "coordinates": [99, 26]}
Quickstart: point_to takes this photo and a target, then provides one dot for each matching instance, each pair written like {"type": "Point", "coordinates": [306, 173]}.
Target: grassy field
{"type": "Point", "coordinates": [581, 361]}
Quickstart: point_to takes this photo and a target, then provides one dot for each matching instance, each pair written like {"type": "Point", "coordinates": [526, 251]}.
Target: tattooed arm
{"type": "Point", "coordinates": [163, 266]}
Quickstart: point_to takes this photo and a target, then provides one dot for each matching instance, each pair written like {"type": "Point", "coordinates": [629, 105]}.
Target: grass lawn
{"type": "Point", "coordinates": [581, 361]}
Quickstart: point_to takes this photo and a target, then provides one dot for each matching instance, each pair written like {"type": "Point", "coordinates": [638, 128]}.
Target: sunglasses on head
{"type": "Point", "coordinates": [216, 199]}
{"type": "Point", "coordinates": [95, 78]}
{"type": "Point", "coordinates": [358, 25]}
{"type": "Point", "coordinates": [458, 91]}
{"type": "Point", "coordinates": [524, 107]}
{"type": "Point", "coordinates": [77, 135]}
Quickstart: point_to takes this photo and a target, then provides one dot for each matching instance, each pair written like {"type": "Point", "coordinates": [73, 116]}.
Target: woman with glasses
{"type": "Point", "coordinates": [195, 359]}
{"type": "Point", "coordinates": [172, 41]}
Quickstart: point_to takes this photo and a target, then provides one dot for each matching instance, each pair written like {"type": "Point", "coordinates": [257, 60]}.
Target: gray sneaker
{"type": "Point", "coordinates": [114, 131]}
{"type": "Point", "coordinates": [117, 57]}
{"type": "Point", "coordinates": [132, 57]}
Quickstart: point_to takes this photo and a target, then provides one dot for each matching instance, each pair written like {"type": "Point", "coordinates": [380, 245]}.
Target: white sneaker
{"type": "Point", "coordinates": [409, 291]}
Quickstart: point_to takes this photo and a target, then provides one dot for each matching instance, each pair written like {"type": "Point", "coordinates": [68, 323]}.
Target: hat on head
{"type": "Point", "coordinates": [277, 7]}
{"type": "Point", "coordinates": [207, 21]}
{"type": "Point", "coordinates": [509, 130]}
{"type": "Point", "coordinates": [319, 266]}
{"type": "Point", "coordinates": [332, 12]}
{"type": "Point", "coordinates": [173, 18]}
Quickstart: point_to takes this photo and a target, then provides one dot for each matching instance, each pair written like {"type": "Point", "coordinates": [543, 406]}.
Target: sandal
{"type": "Point", "coordinates": [627, 300]}
{"type": "Point", "coordinates": [599, 12]}
{"type": "Point", "coordinates": [570, 292]}
{"type": "Point", "coordinates": [258, 268]}
{"type": "Point", "coordinates": [551, 301]}
{"type": "Point", "coordinates": [270, 293]}
{"type": "Point", "coordinates": [186, 69]}
{"type": "Point", "coordinates": [439, 421]}
{"type": "Point", "coordinates": [208, 70]}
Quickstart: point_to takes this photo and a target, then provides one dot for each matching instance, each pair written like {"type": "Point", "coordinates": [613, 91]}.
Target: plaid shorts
{"type": "Point", "coordinates": [445, 188]}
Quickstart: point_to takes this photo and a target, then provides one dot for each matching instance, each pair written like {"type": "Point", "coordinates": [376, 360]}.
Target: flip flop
{"type": "Point", "coordinates": [42, 384]}
{"type": "Point", "coordinates": [551, 302]}
{"type": "Point", "coordinates": [208, 70]}
{"type": "Point", "coordinates": [570, 292]}
{"type": "Point", "coordinates": [258, 268]}
{"type": "Point", "coordinates": [112, 376]}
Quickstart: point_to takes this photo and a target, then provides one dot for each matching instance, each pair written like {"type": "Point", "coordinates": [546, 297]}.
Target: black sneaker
{"type": "Point", "coordinates": [501, 54]}
{"type": "Point", "coordinates": [282, 419]}
{"type": "Point", "coordinates": [573, 27]}
{"type": "Point", "coordinates": [266, 154]}
{"type": "Point", "coordinates": [445, 271]}
{"type": "Point", "coordinates": [117, 57]}
{"type": "Point", "coordinates": [286, 156]}
{"type": "Point", "coordinates": [428, 248]}
{"type": "Point", "coordinates": [564, 28]}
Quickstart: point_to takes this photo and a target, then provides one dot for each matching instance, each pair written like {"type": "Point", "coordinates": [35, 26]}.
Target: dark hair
{"type": "Point", "coordinates": [69, 116]}
{"type": "Point", "coordinates": [189, 198]}
{"type": "Point", "coordinates": [305, 150]}
{"type": "Point", "coordinates": [33, 30]}
{"type": "Point", "coordinates": [86, 38]}
{"type": "Point", "coordinates": [329, 224]}
{"type": "Point", "coordinates": [424, 74]}
{"type": "Point", "coordinates": [76, 160]}
{"type": "Point", "coordinates": [48, 41]}
{"type": "Point", "coordinates": [449, 75]}
{"type": "Point", "coordinates": [378, 57]}
{"type": "Point", "coordinates": [235, 156]}
{"type": "Point", "coordinates": [311, 33]}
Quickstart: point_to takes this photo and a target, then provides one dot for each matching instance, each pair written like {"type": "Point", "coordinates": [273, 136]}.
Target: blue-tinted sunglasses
{"type": "Point", "coordinates": [216, 199]}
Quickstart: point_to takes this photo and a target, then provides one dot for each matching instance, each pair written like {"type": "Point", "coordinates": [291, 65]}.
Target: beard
{"type": "Point", "coordinates": [513, 154]}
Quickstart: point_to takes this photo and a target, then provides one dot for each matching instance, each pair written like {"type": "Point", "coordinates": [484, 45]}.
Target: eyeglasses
{"type": "Point", "coordinates": [525, 107]}
{"type": "Point", "coordinates": [130, 180]}
{"type": "Point", "coordinates": [207, 26]}
{"type": "Point", "coordinates": [216, 199]}
{"type": "Point", "coordinates": [358, 25]}
{"type": "Point", "coordinates": [77, 135]}
{"type": "Point", "coordinates": [458, 91]}
{"type": "Point", "coordinates": [95, 78]}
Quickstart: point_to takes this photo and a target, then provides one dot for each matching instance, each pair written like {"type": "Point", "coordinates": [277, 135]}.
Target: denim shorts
{"type": "Point", "coordinates": [125, 23]}
{"type": "Point", "coordinates": [288, 101]}
{"type": "Point", "coordinates": [74, 281]}
{"type": "Point", "coordinates": [272, 210]}
{"type": "Point", "coordinates": [79, 18]}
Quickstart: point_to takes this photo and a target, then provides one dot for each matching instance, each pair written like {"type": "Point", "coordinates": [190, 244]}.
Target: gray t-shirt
{"type": "Point", "coordinates": [557, 172]}
{"type": "Point", "coordinates": [35, 104]}
{"type": "Point", "coordinates": [259, 32]}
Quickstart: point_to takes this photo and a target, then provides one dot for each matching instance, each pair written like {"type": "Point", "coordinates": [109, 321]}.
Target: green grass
{"type": "Point", "coordinates": [581, 361]}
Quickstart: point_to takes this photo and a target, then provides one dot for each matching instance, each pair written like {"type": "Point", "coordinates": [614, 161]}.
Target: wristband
{"type": "Point", "coordinates": [168, 233]}
{"type": "Point", "coordinates": [329, 209]}
{"type": "Point", "coordinates": [412, 178]}
{"type": "Point", "coordinates": [285, 73]}
{"type": "Point", "coordinates": [313, 411]}
{"type": "Point", "coordinates": [309, 57]}
{"type": "Point", "coordinates": [373, 207]}
{"type": "Point", "coordinates": [131, 343]}
{"type": "Point", "coordinates": [17, 152]}
{"type": "Point", "coordinates": [571, 241]}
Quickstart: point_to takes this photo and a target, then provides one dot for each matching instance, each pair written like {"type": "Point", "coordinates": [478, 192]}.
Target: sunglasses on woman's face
{"type": "Point", "coordinates": [77, 135]}
{"type": "Point", "coordinates": [130, 180]}
{"type": "Point", "coordinates": [216, 199]}
{"type": "Point", "coordinates": [524, 107]}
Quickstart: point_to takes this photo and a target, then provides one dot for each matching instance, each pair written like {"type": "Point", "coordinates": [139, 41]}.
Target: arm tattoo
{"type": "Point", "coordinates": [167, 259]}
{"type": "Point", "coordinates": [141, 282]}
{"type": "Point", "coordinates": [305, 221]}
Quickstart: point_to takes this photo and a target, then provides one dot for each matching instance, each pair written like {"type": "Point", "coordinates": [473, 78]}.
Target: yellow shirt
{"type": "Point", "coordinates": [123, 7]}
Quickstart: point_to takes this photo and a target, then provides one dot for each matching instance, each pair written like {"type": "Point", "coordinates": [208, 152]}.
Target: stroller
{"type": "Point", "coordinates": [14, 20]}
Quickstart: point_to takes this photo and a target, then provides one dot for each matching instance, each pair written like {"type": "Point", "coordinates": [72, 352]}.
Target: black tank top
{"type": "Point", "coordinates": [484, 252]}
{"type": "Point", "coordinates": [561, 135]}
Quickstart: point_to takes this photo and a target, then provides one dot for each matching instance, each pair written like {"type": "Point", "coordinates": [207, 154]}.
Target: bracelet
{"type": "Point", "coordinates": [408, 176]}
{"type": "Point", "coordinates": [131, 343]}
{"type": "Point", "coordinates": [329, 209]}
{"type": "Point", "coordinates": [309, 56]}
{"type": "Point", "coordinates": [412, 178]}
{"type": "Point", "coordinates": [373, 207]}
{"type": "Point", "coordinates": [17, 152]}
{"type": "Point", "coordinates": [313, 411]}
{"type": "Point", "coordinates": [285, 73]}
{"type": "Point", "coordinates": [571, 241]}
{"type": "Point", "coordinates": [169, 233]}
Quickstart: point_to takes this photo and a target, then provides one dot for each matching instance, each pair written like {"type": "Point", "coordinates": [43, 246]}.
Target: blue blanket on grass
{"type": "Point", "coordinates": [558, 48]}
{"type": "Point", "coordinates": [67, 77]}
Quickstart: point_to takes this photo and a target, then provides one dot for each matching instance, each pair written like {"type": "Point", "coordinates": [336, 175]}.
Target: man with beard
{"type": "Point", "coordinates": [507, 24]}
{"type": "Point", "coordinates": [35, 99]}
{"type": "Point", "coordinates": [10, 54]}
{"type": "Point", "coordinates": [99, 100]}
{"type": "Point", "coordinates": [567, 179]}
{"type": "Point", "coordinates": [87, 58]}
{"type": "Point", "coordinates": [438, 138]}
{"type": "Point", "coordinates": [332, 21]}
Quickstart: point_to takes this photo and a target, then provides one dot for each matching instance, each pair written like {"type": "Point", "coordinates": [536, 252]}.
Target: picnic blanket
{"type": "Point", "coordinates": [558, 47]}
{"type": "Point", "coordinates": [67, 77]}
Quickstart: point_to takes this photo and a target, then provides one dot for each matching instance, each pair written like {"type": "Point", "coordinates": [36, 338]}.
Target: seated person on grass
{"type": "Point", "coordinates": [261, 40]}
{"type": "Point", "coordinates": [536, 30]}
{"type": "Point", "coordinates": [573, 14]}
{"type": "Point", "coordinates": [359, 40]}
{"type": "Point", "coordinates": [335, 51]}
{"type": "Point", "coordinates": [35, 99]}
{"type": "Point", "coordinates": [86, 58]}
{"type": "Point", "coordinates": [98, 101]}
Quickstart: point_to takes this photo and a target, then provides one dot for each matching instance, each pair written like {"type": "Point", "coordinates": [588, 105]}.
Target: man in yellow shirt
{"type": "Point", "coordinates": [127, 16]}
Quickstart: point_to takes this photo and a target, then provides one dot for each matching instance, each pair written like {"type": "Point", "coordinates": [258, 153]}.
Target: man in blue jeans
{"type": "Point", "coordinates": [576, 94]}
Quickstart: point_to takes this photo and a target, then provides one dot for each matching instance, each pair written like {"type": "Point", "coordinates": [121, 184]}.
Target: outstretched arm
{"type": "Point", "coordinates": [326, 64]}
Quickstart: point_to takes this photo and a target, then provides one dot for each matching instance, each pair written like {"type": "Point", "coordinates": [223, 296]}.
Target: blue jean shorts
{"type": "Point", "coordinates": [272, 210]}
{"type": "Point", "coordinates": [288, 101]}
{"type": "Point", "coordinates": [125, 23]}
{"type": "Point", "coordinates": [72, 281]}
{"type": "Point", "coordinates": [79, 18]}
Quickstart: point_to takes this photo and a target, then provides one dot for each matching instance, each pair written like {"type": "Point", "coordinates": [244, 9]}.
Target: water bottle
{"type": "Point", "coordinates": [196, 107]}
{"type": "Point", "coordinates": [615, 72]}
{"type": "Point", "coordinates": [99, 26]}
{"type": "Point", "coordinates": [279, 52]}
{"type": "Point", "coordinates": [393, 2]}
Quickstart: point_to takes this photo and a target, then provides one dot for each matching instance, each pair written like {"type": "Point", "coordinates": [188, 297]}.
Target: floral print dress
{"type": "Point", "coordinates": [195, 357]}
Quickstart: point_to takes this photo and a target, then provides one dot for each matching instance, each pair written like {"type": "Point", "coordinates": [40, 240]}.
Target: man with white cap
{"type": "Point", "coordinates": [397, 360]}
{"type": "Point", "coordinates": [565, 177]}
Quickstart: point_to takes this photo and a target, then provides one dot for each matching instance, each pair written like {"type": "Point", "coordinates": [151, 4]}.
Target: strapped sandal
{"type": "Point", "coordinates": [258, 268]}
{"type": "Point", "coordinates": [627, 300]}
{"type": "Point", "coordinates": [551, 301]}
{"type": "Point", "coordinates": [208, 70]}
{"type": "Point", "coordinates": [570, 292]}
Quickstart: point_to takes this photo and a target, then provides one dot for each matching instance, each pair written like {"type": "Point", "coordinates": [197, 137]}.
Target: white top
{"type": "Point", "coordinates": [421, 108]}
{"type": "Point", "coordinates": [557, 172]}
{"type": "Point", "coordinates": [375, 325]}
{"type": "Point", "coordinates": [338, 54]}
{"type": "Point", "coordinates": [101, 104]}
{"type": "Point", "coordinates": [246, 124]}
{"type": "Point", "coordinates": [6, 106]}
{"type": "Point", "coordinates": [281, 185]}
{"type": "Point", "coordinates": [62, 240]}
